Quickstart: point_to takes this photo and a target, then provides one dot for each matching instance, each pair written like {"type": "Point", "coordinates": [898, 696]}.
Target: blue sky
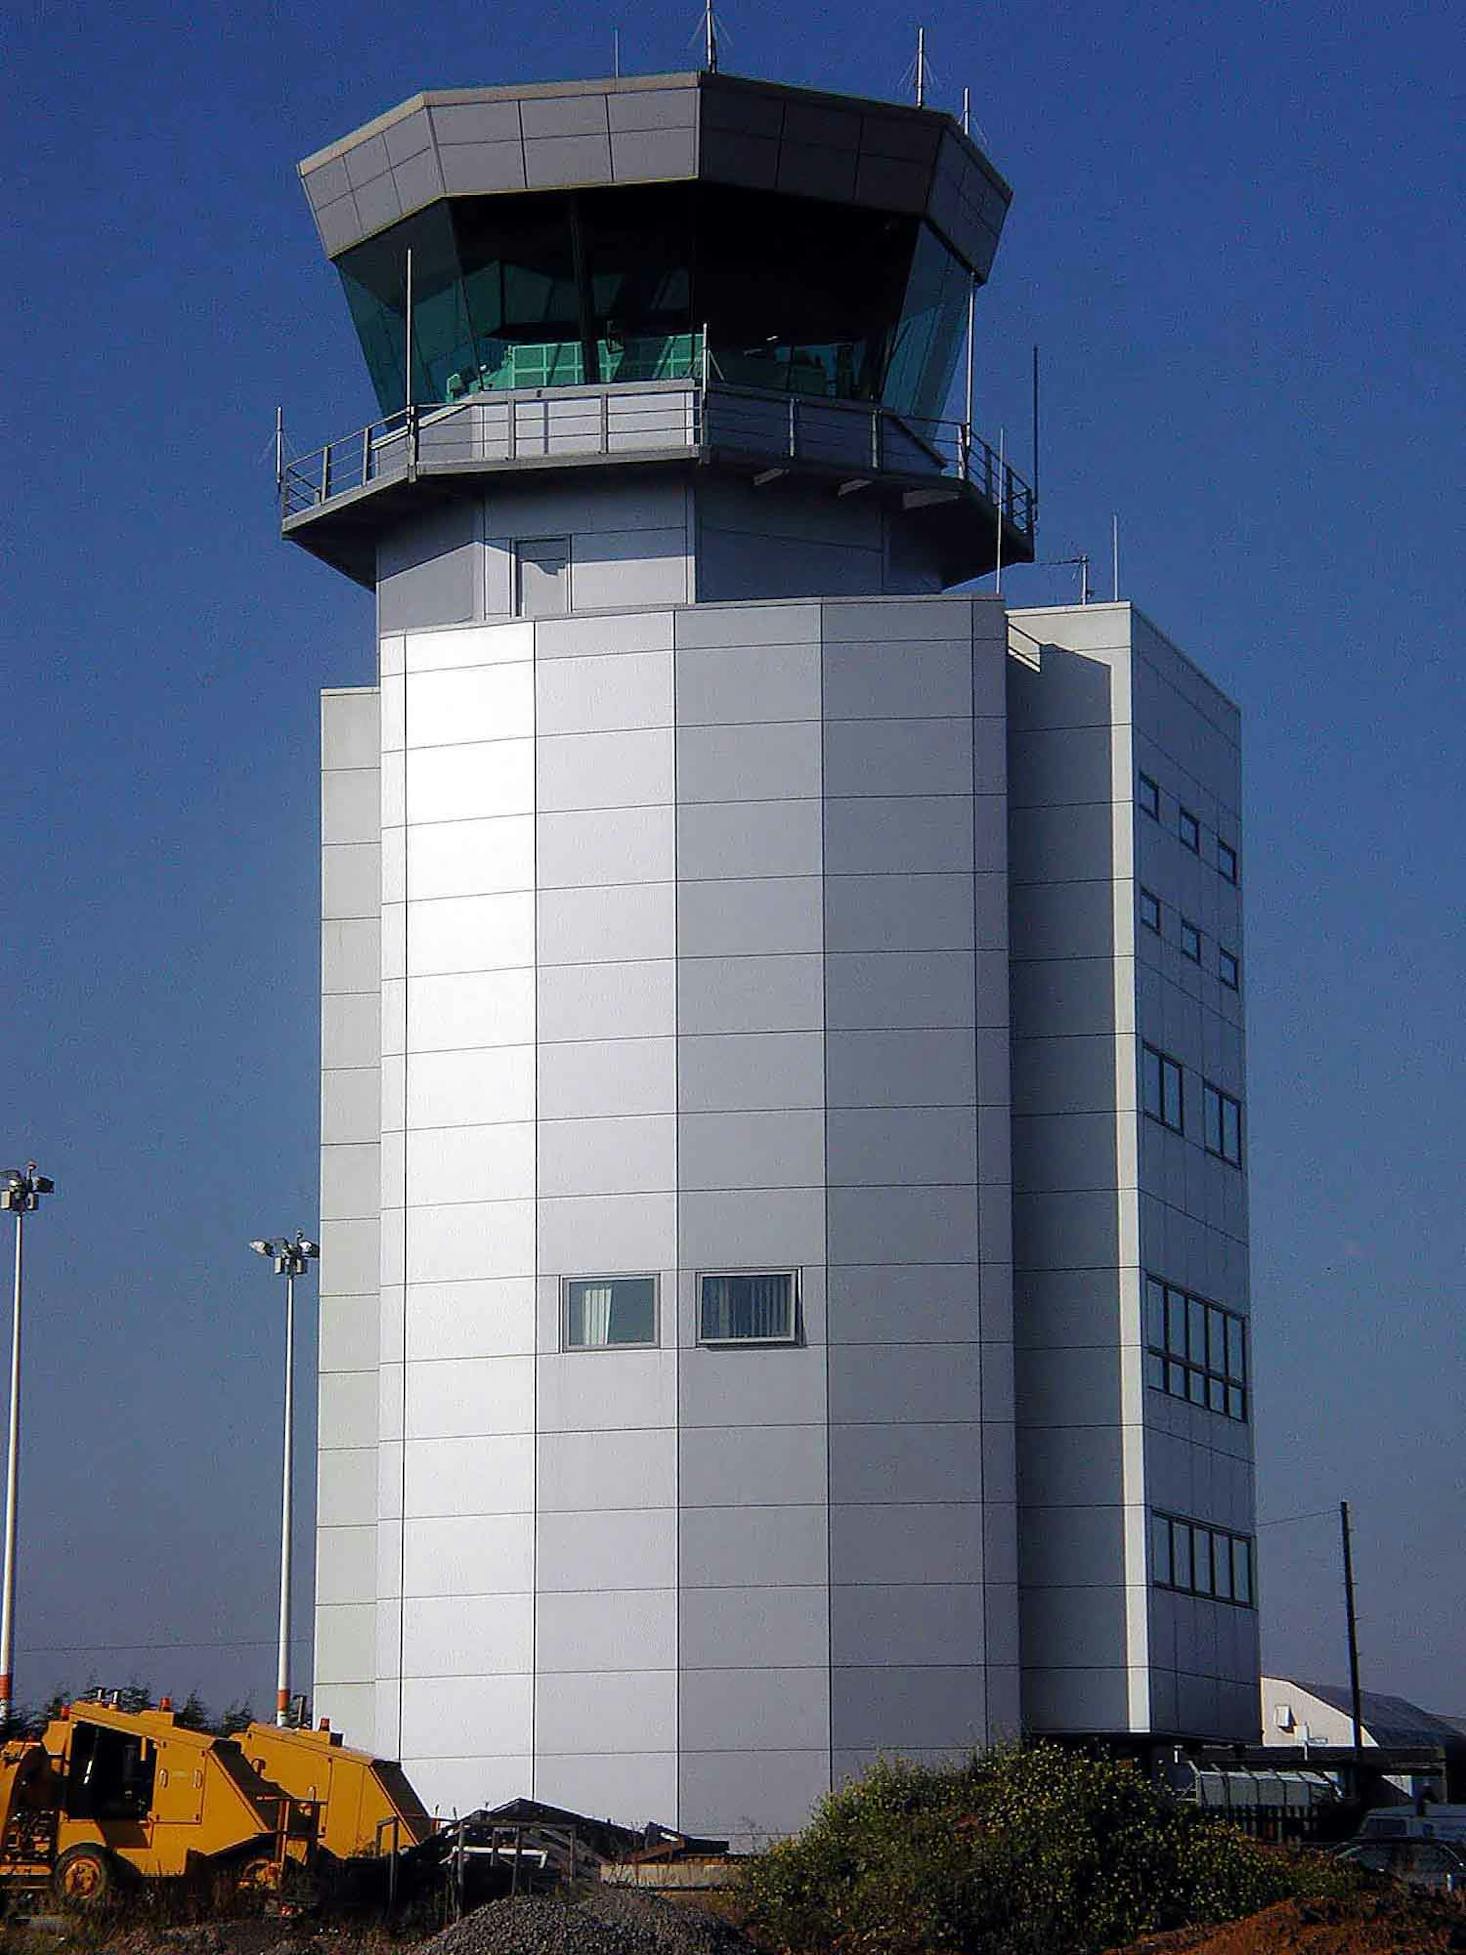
{"type": "Point", "coordinates": [1235, 235]}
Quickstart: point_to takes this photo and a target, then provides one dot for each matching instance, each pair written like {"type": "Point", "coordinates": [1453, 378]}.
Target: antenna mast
{"type": "Point", "coordinates": [710, 37]}
{"type": "Point", "coordinates": [921, 67]}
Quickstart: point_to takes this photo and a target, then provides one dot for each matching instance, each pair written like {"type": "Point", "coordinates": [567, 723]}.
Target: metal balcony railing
{"type": "Point", "coordinates": [694, 417]}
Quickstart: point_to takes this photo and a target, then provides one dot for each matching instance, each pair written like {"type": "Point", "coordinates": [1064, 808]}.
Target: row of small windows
{"type": "Point", "coordinates": [1198, 1560]}
{"type": "Point", "coordinates": [1188, 828]}
{"type": "Point", "coordinates": [733, 1307]}
{"type": "Point", "coordinates": [1229, 970]}
{"type": "Point", "coordinates": [1163, 1097]}
{"type": "Point", "coordinates": [1195, 1350]}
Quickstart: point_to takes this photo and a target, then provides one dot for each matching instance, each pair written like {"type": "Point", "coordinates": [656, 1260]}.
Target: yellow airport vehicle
{"type": "Point", "coordinates": [105, 1796]}
{"type": "Point", "coordinates": [365, 1808]}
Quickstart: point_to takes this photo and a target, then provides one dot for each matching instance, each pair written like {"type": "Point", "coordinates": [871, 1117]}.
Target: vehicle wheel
{"type": "Point", "coordinates": [85, 1877]}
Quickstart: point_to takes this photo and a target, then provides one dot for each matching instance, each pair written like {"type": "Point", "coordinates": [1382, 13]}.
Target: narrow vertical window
{"type": "Point", "coordinates": [1148, 795]}
{"type": "Point", "coordinates": [1190, 941]}
{"type": "Point", "coordinates": [1189, 829]}
{"type": "Point", "coordinates": [1161, 1092]}
{"type": "Point", "coordinates": [1221, 1124]}
{"type": "Point", "coordinates": [1227, 860]}
{"type": "Point", "coordinates": [1228, 969]}
{"type": "Point", "coordinates": [542, 577]}
{"type": "Point", "coordinates": [1150, 910]}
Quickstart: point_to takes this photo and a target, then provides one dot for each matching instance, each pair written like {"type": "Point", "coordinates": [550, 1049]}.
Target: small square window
{"type": "Point", "coordinates": [542, 577]}
{"type": "Point", "coordinates": [1190, 941]}
{"type": "Point", "coordinates": [1228, 969]}
{"type": "Point", "coordinates": [1149, 796]}
{"type": "Point", "coordinates": [746, 1307]}
{"type": "Point", "coordinates": [1227, 859]}
{"type": "Point", "coordinates": [1161, 1090]}
{"type": "Point", "coordinates": [1189, 829]}
{"type": "Point", "coordinates": [602, 1311]}
{"type": "Point", "coordinates": [1150, 909]}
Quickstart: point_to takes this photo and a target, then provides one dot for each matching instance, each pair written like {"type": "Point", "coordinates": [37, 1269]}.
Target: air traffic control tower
{"type": "Point", "coordinates": [667, 1408]}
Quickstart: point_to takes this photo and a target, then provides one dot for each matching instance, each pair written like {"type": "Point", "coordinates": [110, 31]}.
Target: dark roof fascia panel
{"type": "Point", "coordinates": [655, 129]}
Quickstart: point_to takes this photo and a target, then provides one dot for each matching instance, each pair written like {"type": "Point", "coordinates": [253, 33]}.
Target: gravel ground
{"type": "Point", "coordinates": [595, 1921]}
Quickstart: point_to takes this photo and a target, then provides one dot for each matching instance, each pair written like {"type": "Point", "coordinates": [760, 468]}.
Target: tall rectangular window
{"type": "Point", "coordinates": [1221, 1123]}
{"type": "Point", "coordinates": [1227, 859]}
{"type": "Point", "coordinates": [1201, 1560]}
{"type": "Point", "coordinates": [746, 1307]}
{"type": "Point", "coordinates": [1228, 968]}
{"type": "Point", "coordinates": [1161, 1092]}
{"type": "Point", "coordinates": [1190, 941]}
{"type": "Point", "coordinates": [542, 577]}
{"type": "Point", "coordinates": [600, 1311]}
{"type": "Point", "coordinates": [1189, 829]}
{"type": "Point", "coordinates": [1150, 910]}
{"type": "Point", "coordinates": [1148, 795]}
{"type": "Point", "coordinates": [1195, 1350]}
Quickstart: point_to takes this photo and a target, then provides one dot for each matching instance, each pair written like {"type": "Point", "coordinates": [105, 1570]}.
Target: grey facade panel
{"type": "Point", "coordinates": [475, 122]}
{"type": "Point", "coordinates": [553, 161]}
{"type": "Point", "coordinates": [653, 108]}
{"type": "Point", "coordinates": [653, 155]}
{"type": "Point", "coordinates": [478, 169]}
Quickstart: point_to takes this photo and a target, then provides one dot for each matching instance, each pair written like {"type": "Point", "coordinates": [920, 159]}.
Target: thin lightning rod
{"type": "Point", "coordinates": [1115, 552]}
{"type": "Point", "coordinates": [921, 67]}
{"type": "Point", "coordinates": [616, 52]}
{"type": "Point", "coordinates": [1035, 438]}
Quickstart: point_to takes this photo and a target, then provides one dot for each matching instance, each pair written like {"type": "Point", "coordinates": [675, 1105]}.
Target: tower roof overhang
{"type": "Point", "coordinates": [726, 129]}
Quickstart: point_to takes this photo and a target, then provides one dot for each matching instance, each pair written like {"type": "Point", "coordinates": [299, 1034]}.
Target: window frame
{"type": "Point", "coordinates": [1148, 795]}
{"type": "Point", "coordinates": [784, 1342]}
{"type": "Point", "coordinates": [519, 546]}
{"type": "Point", "coordinates": [1229, 968]}
{"type": "Point", "coordinates": [1164, 1060]}
{"type": "Point", "coordinates": [1229, 867]}
{"type": "Point", "coordinates": [1213, 1096]}
{"type": "Point", "coordinates": [1194, 1549]}
{"type": "Point", "coordinates": [1188, 829]}
{"type": "Point", "coordinates": [613, 1276]}
{"type": "Point", "coordinates": [1190, 938]}
{"type": "Point", "coordinates": [1219, 1379]}
{"type": "Point", "coordinates": [1149, 902]}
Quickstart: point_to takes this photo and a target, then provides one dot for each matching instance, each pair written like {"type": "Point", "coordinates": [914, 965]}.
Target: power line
{"type": "Point", "coordinates": [134, 1649]}
{"type": "Point", "coordinates": [1287, 1520]}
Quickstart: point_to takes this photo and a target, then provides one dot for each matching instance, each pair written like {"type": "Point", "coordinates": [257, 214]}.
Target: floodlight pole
{"type": "Point", "coordinates": [292, 1258]}
{"type": "Point", "coordinates": [19, 1192]}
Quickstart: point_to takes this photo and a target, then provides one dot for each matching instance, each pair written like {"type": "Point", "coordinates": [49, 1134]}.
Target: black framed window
{"type": "Point", "coordinates": [1189, 829]}
{"type": "Point", "coordinates": [1162, 1089]}
{"type": "Point", "coordinates": [1229, 970]}
{"type": "Point", "coordinates": [1150, 909]}
{"type": "Point", "coordinates": [1227, 860]}
{"type": "Point", "coordinates": [1221, 1123]}
{"type": "Point", "coordinates": [1195, 1350]}
{"type": "Point", "coordinates": [1190, 941]}
{"type": "Point", "coordinates": [1196, 1559]}
{"type": "Point", "coordinates": [1148, 796]}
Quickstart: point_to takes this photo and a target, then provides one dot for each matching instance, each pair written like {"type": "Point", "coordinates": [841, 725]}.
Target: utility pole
{"type": "Point", "coordinates": [292, 1257]}
{"type": "Point", "coordinates": [20, 1192]}
{"type": "Point", "coordinates": [1355, 1699]}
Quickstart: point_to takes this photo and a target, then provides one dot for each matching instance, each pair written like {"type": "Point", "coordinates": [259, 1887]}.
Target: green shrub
{"type": "Point", "coordinates": [1021, 1851]}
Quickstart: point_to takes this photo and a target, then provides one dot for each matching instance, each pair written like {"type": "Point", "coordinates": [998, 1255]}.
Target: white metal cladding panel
{"type": "Point", "coordinates": [605, 1721]}
{"type": "Point", "coordinates": [458, 1192]}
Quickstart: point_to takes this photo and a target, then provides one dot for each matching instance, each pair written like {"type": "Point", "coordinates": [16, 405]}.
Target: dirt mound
{"type": "Point", "coordinates": [597, 1921]}
{"type": "Point", "coordinates": [1376, 1924]}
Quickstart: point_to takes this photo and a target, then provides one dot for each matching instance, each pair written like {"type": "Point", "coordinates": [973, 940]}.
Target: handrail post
{"type": "Point", "coordinates": [366, 456]}
{"type": "Point", "coordinates": [326, 472]}
{"type": "Point", "coordinates": [793, 426]}
{"type": "Point", "coordinates": [605, 420]}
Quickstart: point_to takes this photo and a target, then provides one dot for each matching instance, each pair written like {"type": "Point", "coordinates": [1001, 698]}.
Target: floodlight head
{"type": "Point", "coordinates": [42, 1184]}
{"type": "Point", "coordinates": [263, 1248]}
{"type": "Point", "coordinates": [12, 1177]}
{"type": "Point", "coordinates": [308, 1248]}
